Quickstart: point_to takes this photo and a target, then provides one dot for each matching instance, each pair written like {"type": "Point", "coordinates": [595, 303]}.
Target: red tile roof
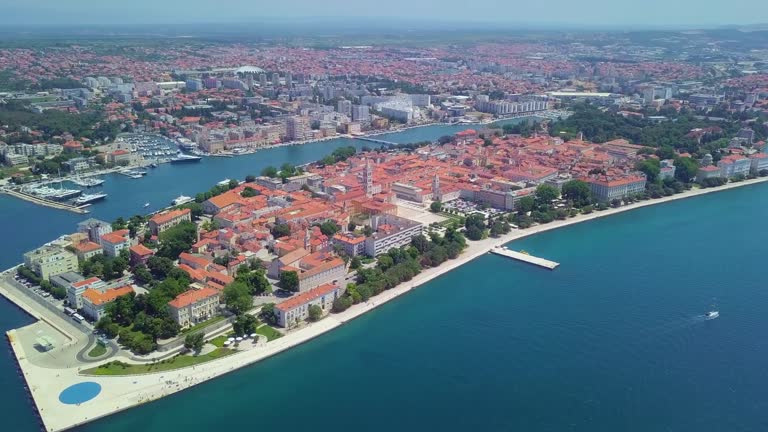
{"type": "Point", "coordinates": [168, 216]}
{"type": "Point", "coordinates": [99, 298]}
{"type": "Point", "coordinates": [306, 297]}
{"type": "Point", "coordinates": [87, 246]}
{"type": "Point", "coordinates": [141, 250]}
{"type": "Point", "coordinates": [191, 297]}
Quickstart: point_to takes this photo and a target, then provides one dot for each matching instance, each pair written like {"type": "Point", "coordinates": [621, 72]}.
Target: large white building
{"type": "Point", "coordinates": [114, 242]}
{"type": "Point", "coordinates": [361, 113]}
{"type": "Point", "coordinates": [400, 113]}
{"type": "Point", "coordinates": [94, 228]}
{"type": "Point", "coordinates": [297, 128]}
{"type": "Point", "coordinates": [758, 162]}
{"type": "Point", "coordinates": [344, 107]}
{"type": "Point", "coordinates": [95, 302]}
{"type": "Point", "coordinates": [390, 232]}
{"type": "Point", "coordinates": [50, 260]}
{"type": "Point", "coordinates": [734, 165]}
{"type": "Point", "coordinates": [76, 290]}
{"type": "Point", "coordinates": [608, 189]}
{"type": "Point", "coordinates": [194, 306]}
{"type": "Point", "coordinates": [296, 308]}
{"type": "Point", "coordinates": [509, 107]}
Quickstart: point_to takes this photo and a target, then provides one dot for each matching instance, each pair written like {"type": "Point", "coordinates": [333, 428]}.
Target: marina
{"type": "Point", "coordinates": [524, 257]}
{"type": "Point", "coordinates": [150, 146]}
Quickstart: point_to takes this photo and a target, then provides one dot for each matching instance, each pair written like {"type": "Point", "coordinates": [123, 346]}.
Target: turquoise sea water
{"type": "Point", "coordinates": [612, 340]}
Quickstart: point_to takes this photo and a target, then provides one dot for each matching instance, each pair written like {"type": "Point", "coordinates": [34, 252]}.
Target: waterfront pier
{"type": "Point", "coordinates": [377, 141]}
{"type": "Point", "coordinates": [44, 202]}
{"type": "Point", "coordinates": [525, 257]}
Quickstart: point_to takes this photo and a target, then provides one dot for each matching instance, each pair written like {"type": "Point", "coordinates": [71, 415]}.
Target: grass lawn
{"type": "Point", "coordinates": [178, 362]}
{"type": "Point", "coordinates": [199, 326]}
{"type": "Point", "coordinates": [218, 341]}
{"type": "Point", "coordinates": [98, 350]}
{"type": "Point", "coordinates": [269, 332]}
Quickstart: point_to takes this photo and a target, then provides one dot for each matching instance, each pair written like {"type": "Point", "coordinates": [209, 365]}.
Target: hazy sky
{"type": "Point", "coordinates": [584, 13]}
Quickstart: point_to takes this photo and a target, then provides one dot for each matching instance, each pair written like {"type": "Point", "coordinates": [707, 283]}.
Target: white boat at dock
{"type": "Point", "coordinates": [182, 199]}
{"type": "Point", "coordinates": [89, 198]}
{"type": "Point", "coordinates": [88, 181]}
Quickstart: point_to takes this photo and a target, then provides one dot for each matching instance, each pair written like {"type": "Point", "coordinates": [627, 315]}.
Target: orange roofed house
{"type": "Point", "coordinates": [87, 249]}
{"type": "Point", "coordinates": [140, 254]}
{"type": "Point", "coordinates": [313, 269]}
{"type": "Point", "coordinates": [119, 157]}
{"type": "Point", "coordinates": [95, 302]}
{"type": "Point", "coordinates": [194, 306]}
{"type": "Point", "coordinates": [115, 241]}
{"type": "Point", "coordinates": [296, 308]}
{"type": "Point", "coordinates": [163, 221]}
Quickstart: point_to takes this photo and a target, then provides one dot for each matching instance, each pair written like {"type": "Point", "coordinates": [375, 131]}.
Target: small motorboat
{"type": "Point", "coordinates": [712, 315]}
{"type": "Point", "coordinates": [146, 205]}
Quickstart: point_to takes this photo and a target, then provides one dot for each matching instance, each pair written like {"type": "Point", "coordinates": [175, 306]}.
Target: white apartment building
{"type": "Point", "coordinates": [390, 232]}
{"type": "Point", "coordinates": [49, 261]}
{"type": "Point", "coordinates": [194, 306]}
{"type": "Point", "coordinates": [76, 290]}
{"type": "Point", "coordinates": [296, 308]}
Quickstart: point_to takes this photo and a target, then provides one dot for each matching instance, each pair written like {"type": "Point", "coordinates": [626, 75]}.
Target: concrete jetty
{"type": "Point", "coordinates": [44, 202]}
{"type": "Point", "coordinates": [520, 256]}
{"type": "Point", "coordinates": [377, 141]}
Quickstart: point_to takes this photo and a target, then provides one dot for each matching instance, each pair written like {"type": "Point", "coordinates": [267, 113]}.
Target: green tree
{"type": "Point", "coordinates": [436, 206]}
{"type": "Point", "coordinates": [315, 313]}
{"type": "Point", "coordinates": [194, 342]}
{"type": "Point", "coordinates": [355, 263]}
{"type": "Point", "coordinates": [119, 224]}
{"type": "Point", "coordinates": [475, 226]}
{"type": "Point", "coordinates": [329, 228]}
{"type": "Point", "coordinates": [578, 192]}
{"type": "Point", "coordinates": [250, 178]}
{"type": "Point", "coordinates": [289, 280]}
{"type": "Point", "coordinates": [255, 280]}
{"type": "Point", "coordinates": [245, 324]}
{"type": "Point", "coordinates": [142, 274]}
{"type": "Point", "coordinates": [160, 267]}
{"type": "Point", "coordinates": [686, 169]}
{"type": "Point", "coordinates": [249, 192]}
{"type": "Point", "coordinates": [237, 297]}
{"type": "Point", "coordinates": [267, 313]}
{"type": "Point", "coordinates": [269, 171]}
{"type": "Point", "coordinates": [545, 194]}
{"type": "Point", "coordinates": [341, 304]}
{"type": "Point", "coordinates": [649, 167]}
{"type": "Point", "coordinates": [177, 239]}
{"type": "Point", "coordinates": [525, 204]}
{"type": "Point", "coordinates": [281, 230]}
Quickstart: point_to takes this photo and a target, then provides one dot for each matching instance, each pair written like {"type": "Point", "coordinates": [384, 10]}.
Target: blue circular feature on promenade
{"type": "Point", "coordinates": [79, 393]}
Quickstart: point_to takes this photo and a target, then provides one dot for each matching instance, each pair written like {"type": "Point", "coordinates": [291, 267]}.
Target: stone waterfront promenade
{"type": "Point", "coordinates": [51, 386]}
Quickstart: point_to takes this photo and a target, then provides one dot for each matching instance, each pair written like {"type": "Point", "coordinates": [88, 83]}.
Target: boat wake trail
{"type": "Point", "coordinates": [677, 325]}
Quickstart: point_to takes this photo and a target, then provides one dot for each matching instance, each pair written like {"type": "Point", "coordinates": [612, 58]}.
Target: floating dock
{"type": "Point", "coordinates": [520, 256]}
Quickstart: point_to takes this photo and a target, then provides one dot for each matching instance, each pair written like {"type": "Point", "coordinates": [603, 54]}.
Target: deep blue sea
{"type": "Point", "coordinates": [613, 340]}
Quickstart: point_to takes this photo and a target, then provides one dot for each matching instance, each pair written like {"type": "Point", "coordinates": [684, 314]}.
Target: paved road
{"type": "Point", "coordinates": [80, 331]}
